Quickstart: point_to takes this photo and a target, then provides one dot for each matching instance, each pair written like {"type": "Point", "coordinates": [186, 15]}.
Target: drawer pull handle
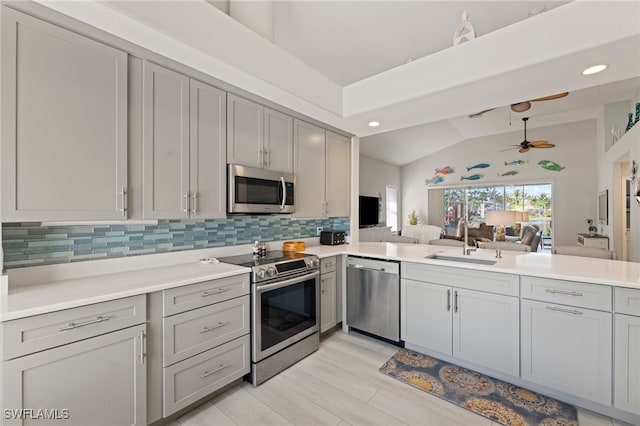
{"type": "Point", "coordinates": [208, 329]}
{"type": "Point", "coordinates": [72, 325]}
{"type": "Point", "coordinates": [208, 373]}
{"type": "Point", "coordinates": [565, 292]}
{"type": "Point", "coordinates": [214, 292]}
{"type": "Point", "coordinates": [566, 311]}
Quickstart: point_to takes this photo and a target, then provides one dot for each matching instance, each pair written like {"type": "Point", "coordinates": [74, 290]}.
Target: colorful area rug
{"type": "Point", "coordinates": [497, 400]}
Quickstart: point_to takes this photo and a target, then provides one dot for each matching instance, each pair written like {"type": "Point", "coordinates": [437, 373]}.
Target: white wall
{"type": "Point", "coordinates": [375, 175]}
{"type": "Point", "coordinates": [574, 188]}
{"type": "Point", "coordinates": [611, 173]}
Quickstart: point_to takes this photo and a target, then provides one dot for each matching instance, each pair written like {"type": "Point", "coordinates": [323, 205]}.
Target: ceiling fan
{"type": "Point", "coordinates": [525, 145]}
{"type": "Point", "coordinates": [525, 105]}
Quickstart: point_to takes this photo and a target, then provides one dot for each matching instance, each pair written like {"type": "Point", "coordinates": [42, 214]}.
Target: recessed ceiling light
{"type": "Point", "coordinates": [374, 123]}
{"type": "Point", "coordinates": [594, 69]}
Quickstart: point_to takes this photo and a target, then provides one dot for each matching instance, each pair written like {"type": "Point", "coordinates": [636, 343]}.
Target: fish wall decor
{"type": "Point", "coordinates": [434, 180]}
{"type": "Point", "coordinates": [550, 165]}
{"type": "Point", "coordinates": [472, 177]}
{"type": "Point", "coordinates": [514, 163]}
{"type": "Point", "coordinates": [509, 173]}
{"type": "Point", "coordinates": [479, 166]}
{"type": "Point", "coordinates": [445, 170]}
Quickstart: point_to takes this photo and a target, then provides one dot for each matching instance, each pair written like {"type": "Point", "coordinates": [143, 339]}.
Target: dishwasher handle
{"type": "Point", "coordinates": [367, 268]}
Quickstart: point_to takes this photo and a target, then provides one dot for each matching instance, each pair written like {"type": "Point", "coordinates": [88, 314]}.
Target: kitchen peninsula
{"type": "Point", "coordinates": [599, 297]}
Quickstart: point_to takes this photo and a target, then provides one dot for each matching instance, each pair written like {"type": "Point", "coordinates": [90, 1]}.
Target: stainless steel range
{"type": "Point", "coordinates": [284, 310]}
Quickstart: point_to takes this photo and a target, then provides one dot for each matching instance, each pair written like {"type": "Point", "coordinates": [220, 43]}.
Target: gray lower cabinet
{"type": "Point", "coordinates": [627, 350]}
{"type": "Point", "coordinates": [183, 147]}
{"type": "Point", "coordinates": [469, 315]}
{"type": "Point", "coordinates": [567, 337]}
{"type": "Point", "coordinates": [328, 294]}
{"type": "Point", "coordinates": [205, 339]}
{"type": "Point", "coordinates": [64, 124]}
{"type": "Point", "coordinates": [86, 365]}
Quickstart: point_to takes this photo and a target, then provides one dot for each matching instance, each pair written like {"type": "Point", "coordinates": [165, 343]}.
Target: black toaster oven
{"type": "Point", "coordinates": [331, 238]}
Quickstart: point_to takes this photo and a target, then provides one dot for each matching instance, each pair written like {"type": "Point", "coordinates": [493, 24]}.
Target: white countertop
{"type": "Point", "coordinates": [37, 299]}
{"type": "Point", "coordinates": [54, 295]}
{"type": "Point", "coordinates": [545, 265]}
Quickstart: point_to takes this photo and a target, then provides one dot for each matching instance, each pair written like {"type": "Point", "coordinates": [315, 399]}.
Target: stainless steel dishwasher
{"type": "Point", "coordinates": [373, 297]}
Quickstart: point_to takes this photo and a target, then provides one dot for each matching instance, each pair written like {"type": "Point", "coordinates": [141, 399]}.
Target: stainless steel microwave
{"type": "Point", "coordinates": [252, 190]}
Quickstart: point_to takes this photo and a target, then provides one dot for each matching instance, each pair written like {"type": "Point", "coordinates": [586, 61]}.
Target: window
{"type": "Point", "coordinates": [534, 199]}
{"type": "Point", "coordinates": [392, 208]}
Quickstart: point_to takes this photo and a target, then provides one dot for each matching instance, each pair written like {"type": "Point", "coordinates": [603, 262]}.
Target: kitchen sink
{"type": "Point", "coordinates": [467, 259]}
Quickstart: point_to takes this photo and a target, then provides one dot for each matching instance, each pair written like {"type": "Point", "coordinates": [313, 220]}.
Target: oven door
{"type": "Point", "coordinates": [284, 312]}
{"type": "Point", "coordinates": [254, 190]}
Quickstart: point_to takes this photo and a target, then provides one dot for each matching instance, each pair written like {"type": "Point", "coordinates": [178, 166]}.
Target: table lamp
{"type": "Point", "coordinates": [500, 219]}
{"type": "Point", "coordinates": [520, 218]}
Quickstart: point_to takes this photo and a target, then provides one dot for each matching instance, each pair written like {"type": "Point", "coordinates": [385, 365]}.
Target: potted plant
{"type": "Point", "coordinates": [413, 217]}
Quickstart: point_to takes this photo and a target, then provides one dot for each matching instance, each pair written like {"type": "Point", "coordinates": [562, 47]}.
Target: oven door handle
{"type": "Point", "coordinates": [280, 284]}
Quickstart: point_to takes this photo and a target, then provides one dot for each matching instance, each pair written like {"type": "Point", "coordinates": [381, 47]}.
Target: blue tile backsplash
{"type": "Point", "coordinates": [29, 244]}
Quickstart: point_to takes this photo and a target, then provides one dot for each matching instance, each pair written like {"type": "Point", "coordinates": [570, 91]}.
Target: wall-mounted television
{"type": "Point", "coordinates": [603, 207]}
{"type": "Point", "coordinates": [369, 211]}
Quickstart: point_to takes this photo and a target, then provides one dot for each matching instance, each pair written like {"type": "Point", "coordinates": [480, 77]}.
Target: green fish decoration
{"type": "Point", "coordinates": [514, 163]}
{"type": "Point", "coordinates": [509, 173]}
{"type": "Point", "coordinates": [472, 177]}
{"type": "Point", "coordinates": [479, 166]}
{"type": "Point", "coordinates": [550, 165]}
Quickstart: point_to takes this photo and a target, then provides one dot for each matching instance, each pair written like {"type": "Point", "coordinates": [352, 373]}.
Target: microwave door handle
{"type": "Point", "coordinates": [284, 193]}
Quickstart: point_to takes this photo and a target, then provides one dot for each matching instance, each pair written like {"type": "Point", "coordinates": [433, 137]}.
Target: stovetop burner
{"type": "Point", "coordinates": [275, 265]}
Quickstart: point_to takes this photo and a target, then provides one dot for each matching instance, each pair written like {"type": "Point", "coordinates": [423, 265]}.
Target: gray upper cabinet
{"type": "Point", "coordinates": [338, 175]}
{"type": "Point", "coordinates": [183, 143]}
{"type": "Point", "coordinates": [64, 124]}
{"type": "Point", "coordinates": [309, 169]}
{"type": "Point", "coordinates": [258, 136]}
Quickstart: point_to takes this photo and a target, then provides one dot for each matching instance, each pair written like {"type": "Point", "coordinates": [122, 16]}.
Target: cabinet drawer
{"type": "Point", "coordinates": [196, 377]}
{"type": "Point", "coordinates": [572, 293]}
{"type": "Point", "coordinates": [492, 282]}
{"type": "Point", "coordinates": [28, 335]}
{"type": "Point", "coordinates": [627, 301]}
{"type": "Point", "coordinates": [328, 264]}
{"type": "Point", "coordinates": [192, 332]}
{"type": "Point", "coordinates": [181, 299]}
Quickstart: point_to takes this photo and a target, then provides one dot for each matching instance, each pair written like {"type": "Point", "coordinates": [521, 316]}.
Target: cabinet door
{"type": "Point", "coordinates": [568, 349]}
{"type": "Point", "coordinates": [486, 330]}
{"type": "Point", "coordinates": [207, 151]}
{"type": "Point", "coordinates": [100, 381]}
{"type": "Point", "coordinates": [309, 167]}
{"type": "Point", "coordinates": [165, 143]}
{"type": "Point", "coordinates": [278, 141]}
{"type": "Point", "coordinates": [338, 192]}
{"type": "Point", "coordinates": [244, 132]}
{"type": "Point", "coordinates": [327, 301]}
{"type": "Point", "coordinates": [426, 315]}
{"type": "Point", "coordinates": [627, 367]}
{"type": "Point", "coordinates": [64, 124]}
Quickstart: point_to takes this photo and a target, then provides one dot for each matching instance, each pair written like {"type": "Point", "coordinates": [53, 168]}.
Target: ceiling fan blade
{"type": "Point", "coordinates": [544, 145]}
{"type": "Point", "coordinates": [508, 149]}
{"type": "Point", "coordinates": [523, 150]}
{"type": "Point", "coordinates": [478, 114]}
{"type": "Point", "coordinates": [551, 97]}
{"type": "Point", "coordinates": [539, 142]}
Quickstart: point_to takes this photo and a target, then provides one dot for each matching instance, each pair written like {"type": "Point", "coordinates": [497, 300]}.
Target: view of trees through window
{"type": "Point", "coordinates": [535, 199]}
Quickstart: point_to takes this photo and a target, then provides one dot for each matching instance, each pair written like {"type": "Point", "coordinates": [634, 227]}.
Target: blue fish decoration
{"type": "Point", "coordinates": [509, 173]}
{"type": "Point", "coordinates": [479, 166]}
{"type": "Point", "coordinates": [550, 165]}
{"type": "Point", "coordinates": [434, 180]}
{"type": "Point", "coordinates": [472, 177]}
{"type": "Point", "coordinates": [514, 163]}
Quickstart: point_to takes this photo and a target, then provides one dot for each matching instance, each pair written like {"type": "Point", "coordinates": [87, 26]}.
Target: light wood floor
{"type": "Point", "coordinates": [340, 385]}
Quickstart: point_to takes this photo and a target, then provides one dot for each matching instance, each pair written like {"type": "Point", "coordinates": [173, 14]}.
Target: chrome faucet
{"type": "Point", "coordinates": [466, 251]}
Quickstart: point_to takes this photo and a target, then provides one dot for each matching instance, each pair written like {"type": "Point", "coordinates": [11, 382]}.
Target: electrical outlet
{"type": "Point", "coordinates": [318, 231]}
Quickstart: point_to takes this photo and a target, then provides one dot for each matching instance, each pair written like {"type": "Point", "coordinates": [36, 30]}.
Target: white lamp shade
{"type": "Point", "coordinates": [505, 218]}
{"type": "Point", "coordinates": [522, 217]}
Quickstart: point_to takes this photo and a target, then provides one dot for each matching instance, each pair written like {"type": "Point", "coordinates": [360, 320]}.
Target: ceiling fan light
{"type": "Point", "coordinates": [521, 106]}
{"type": "Point", "coordinates": [594, 69]}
